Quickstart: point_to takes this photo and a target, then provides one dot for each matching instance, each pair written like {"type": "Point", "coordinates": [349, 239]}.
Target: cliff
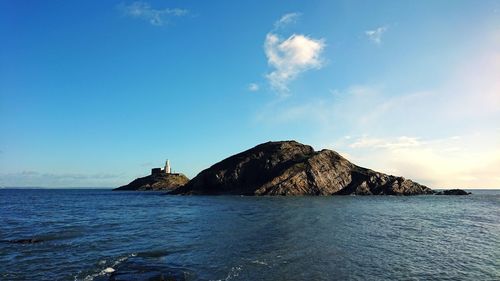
{"type": "Point", "coordinates": [156, 182]}
{"type": "Point", "coordinates": [291, 168]}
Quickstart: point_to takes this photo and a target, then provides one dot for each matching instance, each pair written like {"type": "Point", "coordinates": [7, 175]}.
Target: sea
{"type": "Point", "coordinates": [96, 234]}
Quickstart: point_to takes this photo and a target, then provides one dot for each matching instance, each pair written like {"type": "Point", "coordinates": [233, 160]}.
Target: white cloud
{"type": "Point", "coordinates": [286, 20]}
{"type": "Point", "coordinates": [253, 87]}
{"type": "Point", "coordinates": [375, 35]}
{"type": "Point", "coordinates": [290, 57]}
{"type": "Point", "coordinates": [158, 17]}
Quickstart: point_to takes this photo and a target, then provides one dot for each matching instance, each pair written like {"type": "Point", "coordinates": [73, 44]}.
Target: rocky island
{"type": "Point", "coordinates": [158, 180]}
{"type": "Point", "coordinates": [452, 192]}
{"type": "Point", "coordinates": [292, 168]}
{"type": "Point", "coordinates": [155, 183]}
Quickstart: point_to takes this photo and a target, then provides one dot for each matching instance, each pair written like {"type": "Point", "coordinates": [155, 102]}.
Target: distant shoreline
{"type": "Point", "coordinates": [52, 188]}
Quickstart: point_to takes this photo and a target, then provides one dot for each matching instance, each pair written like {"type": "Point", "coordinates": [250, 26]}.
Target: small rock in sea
{"type": "Point", "coordinates": [26, 241]}
{"type": "Point", "coordinates": [453, 192]}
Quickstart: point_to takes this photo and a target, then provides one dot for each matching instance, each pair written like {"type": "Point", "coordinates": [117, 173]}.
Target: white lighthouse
{"type": "Point", "coordinates": [167, 167]}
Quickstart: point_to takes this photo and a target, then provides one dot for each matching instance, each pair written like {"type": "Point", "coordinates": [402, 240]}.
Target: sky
{"type": "Point", "coordinates": [96, 93]}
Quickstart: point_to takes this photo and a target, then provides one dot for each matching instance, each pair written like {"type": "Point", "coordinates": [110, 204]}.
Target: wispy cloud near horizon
{"type": "Point", "coordinates": [157, 17]}
{"type": "Point", "coordinates": [29, 178]}
{"type": "Point", "coordinates": [439, 162]}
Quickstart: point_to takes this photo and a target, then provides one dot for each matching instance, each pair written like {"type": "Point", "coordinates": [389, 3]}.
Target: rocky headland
{"type": "Point", "coordinates": [292, 168]}
{"type": "Point", "coordinates": [156, 182]}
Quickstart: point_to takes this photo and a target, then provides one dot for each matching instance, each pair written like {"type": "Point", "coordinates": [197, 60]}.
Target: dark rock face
{"type": "Point", "coordinates": [155, 182]}
{"type": "Point", "coordinates": [291, 168]}
{"type": "Point", "coordinates": [453, 192]}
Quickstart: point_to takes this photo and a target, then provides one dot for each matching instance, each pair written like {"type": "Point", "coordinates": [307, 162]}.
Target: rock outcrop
{"type": "Point", "coordinates": [156, 182]}
{"type": "Point", "coordinates": [452, 192]}
{"type": "Point", "coordinates": [24, 241]}
{"type": "Point", "coordinates": [291, 168]}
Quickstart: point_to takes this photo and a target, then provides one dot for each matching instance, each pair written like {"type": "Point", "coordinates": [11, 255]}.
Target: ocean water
{"type": "Point", "coordinates": [85, 233]}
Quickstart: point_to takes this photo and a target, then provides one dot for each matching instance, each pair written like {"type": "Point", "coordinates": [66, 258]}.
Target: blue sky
{"type": "Point", "coordinates": [95, 93]}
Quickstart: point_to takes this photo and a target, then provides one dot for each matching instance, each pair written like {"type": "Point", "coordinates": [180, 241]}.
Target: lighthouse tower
{"type": "Point", "coordinates": [167, 167]}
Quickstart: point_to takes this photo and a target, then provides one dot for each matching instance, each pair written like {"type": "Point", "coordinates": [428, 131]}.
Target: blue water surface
{"type": "Point", "coordinates": [83, 232]}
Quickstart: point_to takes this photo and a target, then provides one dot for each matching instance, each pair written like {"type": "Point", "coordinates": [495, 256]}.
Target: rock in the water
{"type": "Point", "coordinates": [25, 241]}
{"type": "Point", "coordinates": [291, 168]}
{"type": "Point", "coordinates": [156, 182]}
{"type": "Point", "coordinates": [453, 192]}
{"type": "Point", "coordinates": [145, 269]}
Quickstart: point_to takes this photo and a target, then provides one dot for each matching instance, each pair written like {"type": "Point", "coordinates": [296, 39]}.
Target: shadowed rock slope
{"type": "Point", "coordinates": [291, 168]}
{"type": "Point", "coordinates": [155, 182]}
